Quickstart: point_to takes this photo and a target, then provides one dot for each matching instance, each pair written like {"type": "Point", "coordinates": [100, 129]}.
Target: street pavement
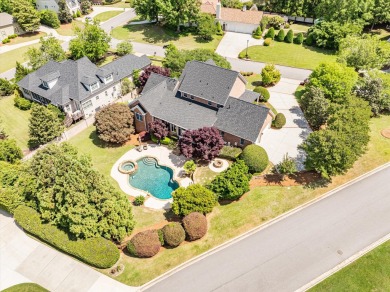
{"type": "Point", "coordinates": [291, 252]}
{"type": "Point", "coordinates": [118, 20]}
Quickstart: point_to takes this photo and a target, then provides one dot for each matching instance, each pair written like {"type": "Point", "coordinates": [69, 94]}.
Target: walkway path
{"type": "Point", "coordinates": [24, 259]}
{"type": "Point", "coordinates": [295, 249]}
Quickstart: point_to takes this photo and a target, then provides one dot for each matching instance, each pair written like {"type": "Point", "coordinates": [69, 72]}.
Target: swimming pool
{"type": "Point", "coordinates": [154, 178]}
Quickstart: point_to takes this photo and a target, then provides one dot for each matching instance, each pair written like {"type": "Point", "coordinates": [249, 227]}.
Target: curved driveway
{"type": "Point", "coordinates": [293, 251]}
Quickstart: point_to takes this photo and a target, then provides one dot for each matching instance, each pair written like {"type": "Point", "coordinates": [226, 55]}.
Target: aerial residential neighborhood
{"type": "Point", "coordinates": [194, 145]}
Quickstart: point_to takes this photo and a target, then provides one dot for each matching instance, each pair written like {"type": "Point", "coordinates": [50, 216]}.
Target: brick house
{"type": "Point", "coordinates": [205, 95]}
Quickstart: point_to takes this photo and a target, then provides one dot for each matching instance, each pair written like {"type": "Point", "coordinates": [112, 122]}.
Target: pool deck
{"type": "Point", "coordinates": [164, 157]}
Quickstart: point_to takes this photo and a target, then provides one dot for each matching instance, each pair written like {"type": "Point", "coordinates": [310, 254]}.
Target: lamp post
{"type": "Point", "coordinates": [247, 44]}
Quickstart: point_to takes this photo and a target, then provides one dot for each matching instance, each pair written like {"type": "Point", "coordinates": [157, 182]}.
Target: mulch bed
{"type": "Point", "coordinates": [386, 133]}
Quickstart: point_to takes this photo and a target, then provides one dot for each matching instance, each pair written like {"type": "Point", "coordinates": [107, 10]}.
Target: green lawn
{"type": "Point", "coordinates": [296, 27]}
{"type": "Point", "coordinates": [292, 55]}
{"type": "Point", "coordinates": [15, 121]}
{"type": "Point", "coordinates": [253, 81]}
{"type": "Point", "coordinates": [8, 59]}
{"type": "Point", "coordinates": [67, 29]}
{"type": "Point", "coordinates": [258, 206]}
{"type": "Point", "coordinates": [121, 4]}
{"type": "Point", "coordinates": [158, 35]}
{"type": "Point", "coordinates": [27, 37]}
{"type": "Point", "coordinates": [369, 273]}
{"type": "Point", "coordinates": [204, 175]}
{"type": "Point", "coordinates": [25, 287]}
{"type": "Point", "coordinates": [104, 16]}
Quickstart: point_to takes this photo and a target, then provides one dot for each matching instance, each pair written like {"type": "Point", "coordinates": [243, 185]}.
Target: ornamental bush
{"type": "Point", "coordinates": [299, 39]}
{"type": "Point", "coordinates": [145, 244]}
{"type": "Point", "coordinates": [10, 151]}
{"type": "Point", "coordinates": [124, 48]}
{"type": "Point", "coordinates": [174, 234]}
{"type": "Point", "coordinates": [267, 42]}
{"type": "Point", "coordinates": [255, 157]}
{"type": "Point", "coordinates": [139, 200]}
{"type": "Point", "coordinates": [264, 93]}
{"type": "Point", "coordinates": [257, 33]}
{"type": "Point", "coordinates": [289, 37]}
{"type": "Point", "coordinates": [280, 121]}
{"type": "Point", "coordinates": [281, 35]}
{"type": "Point", "coordinates": [195, 226]}
{"type": "Point", "coordinates": [98, 252]}
{"type": "Point", "coordinates": [270, 75]}
{"type": "Point", "coordinates": [270, 33]}
{"type": "Point", "coordinates": [22, 103]}
{"type": "Point", "coordinates": [49, 18]}
{"type": "Point", "coordinates": [6, 87]}
{"type": "Point", "coordinates": [194, 198]}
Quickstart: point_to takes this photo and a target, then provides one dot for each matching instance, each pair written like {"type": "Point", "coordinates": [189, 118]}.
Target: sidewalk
{"type": "Point", "coordinates": [24, 259]}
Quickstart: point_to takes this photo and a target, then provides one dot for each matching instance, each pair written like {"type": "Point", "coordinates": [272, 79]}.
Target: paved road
{"type": "Point", "coordinates": [118, 20]}
{"type": "Point", "coordinates": [293, 251]}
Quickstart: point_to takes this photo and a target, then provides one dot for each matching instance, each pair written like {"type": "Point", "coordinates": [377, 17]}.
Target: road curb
{"type": "Point", "coordinates": [261, 227]}
{"type": "Point", "coordinates": [343, 264]}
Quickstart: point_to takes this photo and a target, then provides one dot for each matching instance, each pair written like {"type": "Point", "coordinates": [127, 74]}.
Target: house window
{"type": "Point", "coordinates": [192, 97]}
{"type": "Point", "coordinates": [184, 94]}
{"type": "Point", "coordinates": [209, 103]}
{"type": "Point", "coordinates": [106, 93]}
{"type": "Point", "coordinates": [242, 141]}
{"type": "Point", "coordinates": [222, 134]}
{"type": "Point", "coordinates": [173, 128]}
{"type": "Point", "coordinates": [44, 83]}
{"type": "Point", "coordinates": [67, 108]}
{"type": "Point", "coordinates": [94, 86]}
{"type": "Point", "coordinates": [87, 104]}
{"type": "Point", "coordinates": [97, 97]}
{"type": "Point", "coordinates": [109, 78]}
{"type": "Point", "coordinates": [26, 91]}
{"type": "Point", "coordinates": [139, 117]}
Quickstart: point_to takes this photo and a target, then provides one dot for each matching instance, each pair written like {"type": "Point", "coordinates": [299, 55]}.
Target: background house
{"type": "Point", "coordinates": [73, 5]}
{"type": "Point", "coordinates": [8, 26]}
{"type": "Point", "coordinates": [80, 88]}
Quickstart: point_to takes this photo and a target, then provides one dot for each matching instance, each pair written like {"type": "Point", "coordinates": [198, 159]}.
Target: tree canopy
{"type": "Point", "coordinates": [26, 15]}
{"type": "Point", "coordinates": [64, 14]}
{"type": "Point", "coordinates": [50, 49]}
{"type": "Point", "coordinates": [143, 78]}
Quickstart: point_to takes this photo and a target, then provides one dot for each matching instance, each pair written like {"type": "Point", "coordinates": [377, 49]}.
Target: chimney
{"type": "Point", "coordinates": [218, 11]}
{"type": "Point", "coordinates": [244, 8]}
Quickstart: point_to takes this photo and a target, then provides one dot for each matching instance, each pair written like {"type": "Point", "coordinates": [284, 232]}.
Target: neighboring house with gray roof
{"type": "Point", "coordinates": [8, 26]}
{"type": "Point", "coordinates": [80, 88]}
{"type": "Point", "coordinates": [204, 96]}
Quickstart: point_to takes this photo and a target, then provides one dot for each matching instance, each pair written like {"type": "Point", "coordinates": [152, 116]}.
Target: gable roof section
{"type": "Point", "coordinates": [208, 6]}
{"type": "Point", "coordinates": [238, 15]}
{"type": "Point", "coordinates": [241, 118]}
{"type": "Point", "coordinates": [207, 81]}
{"type": "Point", "coordinates": [74, 75]}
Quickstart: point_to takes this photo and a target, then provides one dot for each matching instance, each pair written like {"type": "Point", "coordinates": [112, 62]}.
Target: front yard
{"type": "Point", "coordinates": [158, 35]}
{"type": "Point", "coordinates": [27, 37]}
{"type": "Point", "coordinates": [8, 59]}
{"type": "Point", "coordinates": [299, 56]}
{"type": "Point", "coordinates": [104, 16]}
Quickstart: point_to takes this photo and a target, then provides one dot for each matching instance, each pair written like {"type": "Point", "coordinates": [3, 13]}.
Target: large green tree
{"type": "Point", "coordinates": [64, 14]}
{"type": "Point", "coordinates": [148, 9]}
{"type": "Point", "coordinates": [315, 107]}
{"type": "Point", "coordinates": [26, 15]}
{"type": "Point", "coordinates": [9, 151]}
{"type": "Point", "coordinates": [178, 12]}
{"type": "Point", "coordinates": [44, 125]}
{"type": "Point", "coordinates": [21, 71]}
{"type": "Point", "coordinates": [67, 192]}
{"type": "Point", "coordinates": [379, 12]}
{"type": "Point", "coordinates": [6, 6]}
{"type": "Point", "coordinates": [91, 41]}
{"type": "Point", "coordinates": [335, 80]}
{"type": "Point", "coordinates": [50, 49]}
{"type": "Point", "coordinates": [206, 26]}
{"type": "Point", "coordinates": [364, 53]}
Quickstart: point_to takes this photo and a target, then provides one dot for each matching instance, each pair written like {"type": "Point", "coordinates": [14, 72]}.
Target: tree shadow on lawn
{"type": "Point", "coordinates": [320, 50]}
{"type": "Point", "coordinates": [100, 143]}
{"type": "Point", "coordinates": [154, 33]}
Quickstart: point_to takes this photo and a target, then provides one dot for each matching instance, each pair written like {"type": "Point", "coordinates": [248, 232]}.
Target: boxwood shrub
{"type": "Point", "coordinates": [195, 225]}
{"type": "Point", "coordinates": [145, 244]}
{"type": "Point", "coordinates": [229, 152]}
{"type": "Point", "coordinates": [267, 42]}
{"type": "Point", "coordinates": [279, 121]}
{"type": "Point", "coordinates": [255, 157]}
{"type": "Point", "coordinates": [264, 93]}
{"type": "Point", "coordinates": [174, 234]}
{"type": "Point", "coordinates": [98, 252]}
{"type": "Point", "coordinates": [164, 141]}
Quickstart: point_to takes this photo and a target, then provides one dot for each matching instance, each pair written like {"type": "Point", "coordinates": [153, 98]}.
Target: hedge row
{"type": "Point", "coordinates": [98, 252]}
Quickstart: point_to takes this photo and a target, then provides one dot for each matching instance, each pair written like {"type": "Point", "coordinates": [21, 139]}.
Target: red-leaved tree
{"type": "Point", "coordinates": [204, 143]}
{"type": "Point", "coordinates": [148, 71]}
{"type": "Point", "coordinates": [158, 129]}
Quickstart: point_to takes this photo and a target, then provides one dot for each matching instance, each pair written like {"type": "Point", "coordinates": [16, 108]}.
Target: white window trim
{"type": "Point", "coordinates": [92, 85]}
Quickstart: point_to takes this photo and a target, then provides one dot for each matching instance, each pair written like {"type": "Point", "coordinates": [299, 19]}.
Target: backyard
{"type": "Point", "coordinates": [15, 121]}
{"type": "Point", "coordinates": [158, 35]}
{"type": "Point", "coordinates": [8, 59]}
{"type": "Point", "coordinates": [299, 56]}
{"type": "Point", "coordinates": [369, 273]}
{"type": "Point", "coordinates": [104, 16]}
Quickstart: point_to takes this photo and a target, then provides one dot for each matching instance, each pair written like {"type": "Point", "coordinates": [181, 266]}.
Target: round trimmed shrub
{"type": "Point", "coordinates": [270, 33]}
{"type": "Point", "coordinates": [281, 35]}
{"type": "Point", "coordinates": [144, 244]}
{"type": "Point", "coordinates": [267, 42]}
{"type": "Point", "coordinates": [174, 234]}
{"type": "Point", "coordinates": [280, 121]}
{"type": "Point", "coordinates": [255, 157]}
{"type": "Point", "coordinates": [289, 37]}
{"type": "Point", "coordinates": [195, 225]}
{"type": "Point", "coordinates": [264, 93]}
{"type": "Point", "coordinates": [299, 39]}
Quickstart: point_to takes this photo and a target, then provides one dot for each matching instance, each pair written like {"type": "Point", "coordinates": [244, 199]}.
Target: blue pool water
{"type": "Point", "coordinates": [154, 178]}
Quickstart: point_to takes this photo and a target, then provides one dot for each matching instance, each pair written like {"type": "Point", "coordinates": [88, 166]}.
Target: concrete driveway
{"type": "Point", "coordinates": [286, 140]}
{"type": "Point", "coordinates": [233, 43]}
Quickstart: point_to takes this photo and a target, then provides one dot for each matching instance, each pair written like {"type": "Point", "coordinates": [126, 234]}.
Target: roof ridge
{"type": "Point", "coordinates": [259, 105]}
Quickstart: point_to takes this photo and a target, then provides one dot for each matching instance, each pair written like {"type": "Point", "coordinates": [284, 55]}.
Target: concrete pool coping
{"type": "Point", "coordinates": [164, 157]}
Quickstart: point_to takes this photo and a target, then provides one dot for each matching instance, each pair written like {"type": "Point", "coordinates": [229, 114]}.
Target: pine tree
{"type": "Point", "coordinates": [64, 14]}
{"type": "Point", "coordinates": [289, 37]}
{"type": "Point", "coordinates": [21, 72]}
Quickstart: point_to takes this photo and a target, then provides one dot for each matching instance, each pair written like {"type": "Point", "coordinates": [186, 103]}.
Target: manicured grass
{"type": "Point", "coordinates": [158, 35]}
{"type": "Point", "coordinates": [15, 121]}
{"type": "Point", "coordinates": [8, 59]}
{"type": "Point", "coordinates": [25, 287]}
{"type": "Point", "coordinates": [67, 29]}
{"type": "Point", "coordinates": [103, 158]}
{"type": "Point", "coordinates": [258, 206]}
{"type": "Point", "coordinates": [104, 16]}
{"type": "Point", "coordinates": [27, 37]}
{"type": "Point", "coordinates": [299, 27]}
{"type": "Point", "coordinates": [204, 175]}
{"type": "Point", "coordinates": [253, 81]}
{"type": "Point", "coordinates": [369, 273]}
{"type": "Point", "coordinates": [292, 55]}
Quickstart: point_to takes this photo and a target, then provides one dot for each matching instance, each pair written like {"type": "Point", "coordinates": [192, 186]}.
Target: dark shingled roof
{"type": "Point", "coordinates": [74, 73]}
{"type": "Point", "coordinates": [241, 118]}
{"type": "Point", "coordinates": [207, 81]}
{"type": "Point", "coordinates": [51, 76]}
{"type": "Point", "coordinates": [249, 96]}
